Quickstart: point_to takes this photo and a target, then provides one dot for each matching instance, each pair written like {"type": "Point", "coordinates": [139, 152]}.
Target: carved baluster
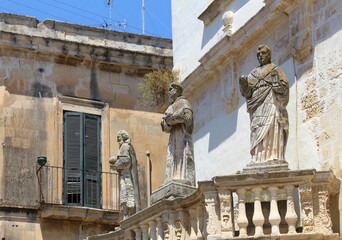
{"type": "Point", "coordinates": [242, 220]}
{"type": "Point", "coordinates": [212, 222]}
{"type": "Point", "coordinates": [226, 213]}
{"type": "Point", "coordinates": [200, 222]}
{"type": "Point", "coordinates": [129, 235]}
{"type": "Point", "coordinates": [144, 228]}
{"type": "Point", "coordinates": [291, 215]}
{"type": "Point", "coordinates": [258, 217]}
{"type": "Point", "coordinates": [160, 233]}
{"type": "Point", "coordinates": [306, 202]}
{"type": "Point", "coordinates": [153, 229]}
{"type": "Point", "coordinates": [137, 233]}
{"type": "Point", "coordinates": [193, 223]}
{"type": "Point", "coordinates": [274, 217]}
{"type": "Point", "coordinates": [169, 230]}
{"type": "Point", "coordinates": [184, 222]}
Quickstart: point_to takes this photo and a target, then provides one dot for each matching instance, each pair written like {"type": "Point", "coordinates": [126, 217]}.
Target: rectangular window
{"type": "Point", "coordinates": [82, 159]}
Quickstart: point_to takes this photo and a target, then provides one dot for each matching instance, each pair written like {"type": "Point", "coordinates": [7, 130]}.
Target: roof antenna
{"type": "Point", "coordinates": [109, 3]}
{"type": "Point", "coordinates": [143, 16]}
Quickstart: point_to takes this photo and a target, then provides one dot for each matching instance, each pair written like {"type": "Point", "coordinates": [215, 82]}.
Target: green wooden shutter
{"type": "Point", "coordinates": [82, 159]}
{"type": "Point", "coordinates": [73, 153]}
{"type": "Point", "coordinates": [92, 167]}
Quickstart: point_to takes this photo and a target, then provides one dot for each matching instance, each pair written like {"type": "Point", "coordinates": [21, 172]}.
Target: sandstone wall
{"type": "Point", "coordinates": [50, 67]}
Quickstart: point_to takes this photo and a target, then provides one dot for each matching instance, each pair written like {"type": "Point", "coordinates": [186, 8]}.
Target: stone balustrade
{"type": "Point", "coordinates": [275, 205]}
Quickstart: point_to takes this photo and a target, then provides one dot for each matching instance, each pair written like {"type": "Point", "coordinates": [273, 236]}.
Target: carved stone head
{"type": "Point", "coordinates": [175, 91]}
{"type": "Point", "coordinates": [264, 55]}
{"type": "Point", "coordinates": [122, 137]}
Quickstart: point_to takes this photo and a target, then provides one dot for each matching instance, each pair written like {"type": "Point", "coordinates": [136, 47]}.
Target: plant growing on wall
{"type": "Point", "coordinates": [154, 87]}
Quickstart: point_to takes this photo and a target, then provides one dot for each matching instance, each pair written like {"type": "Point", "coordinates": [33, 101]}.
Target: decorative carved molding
{"type": "Point", "coordinates": [306, 201]}
{"type": "Point", "coordinates": [179, 217]}
{"type": "Point", "coordinates": [266, 19]}
{"type": "Point", "coordinates": [213, 10]}
{"type": "Point", "coordinates": [226, 215]}
{"type": "Point", "coordinates": [211, 207]}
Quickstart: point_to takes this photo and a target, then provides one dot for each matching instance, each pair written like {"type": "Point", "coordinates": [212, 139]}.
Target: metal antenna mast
{"type": "Point", "coordinates": [143, 15]}
{"type": "Point", "coordinates": [109, 3]}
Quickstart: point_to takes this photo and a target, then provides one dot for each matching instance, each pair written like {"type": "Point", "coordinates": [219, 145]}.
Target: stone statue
{"type": "Point", "coordinates": [178, 121]}
{"type": "Point", "coordinates": [266, 90]}
{"type": "Point", "coordinates": [126, 164]}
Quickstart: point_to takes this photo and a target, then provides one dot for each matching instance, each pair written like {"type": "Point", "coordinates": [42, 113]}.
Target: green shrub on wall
{"type": "Point", "coordinates": [154, 87]}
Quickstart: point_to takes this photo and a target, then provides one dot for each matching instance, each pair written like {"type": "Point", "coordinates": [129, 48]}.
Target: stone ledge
{"type": "Point", "coordinates": [172, 190]}
{"type": "Point", "coordinates": [15, 19]}
{"type": "Point", "coordinates": [71, 39]}
{"type": "Point", "coordinates": [83, 214]}
{"type": "Point", "coordinates": [269, 166]}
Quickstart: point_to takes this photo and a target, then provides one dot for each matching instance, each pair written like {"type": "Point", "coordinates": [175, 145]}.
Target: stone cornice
{"type": "Point", "coordinates": [229, 46]}
{"type": "Point", "coordinates": [214, 9]}
{"type": "Point", "coordinates": [90, 215]}
{"type": "Point", "coordinates": [80, 43]}
{"type": "Point", "coordinates": [81, 102]}
{"type": "Point", "coordinates": [294, 177]}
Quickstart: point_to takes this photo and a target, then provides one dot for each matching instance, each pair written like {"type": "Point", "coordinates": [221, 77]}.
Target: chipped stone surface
{"type": "Point", "coordinates": [50, 67]}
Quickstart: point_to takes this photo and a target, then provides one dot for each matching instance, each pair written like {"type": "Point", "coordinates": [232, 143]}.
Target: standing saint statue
{"type": "Point", "coordinates": [126, 164]}
{"type": "Point", "coordinates": [266, 90]}
{"type": "Point", "coordinates": [178, 121]}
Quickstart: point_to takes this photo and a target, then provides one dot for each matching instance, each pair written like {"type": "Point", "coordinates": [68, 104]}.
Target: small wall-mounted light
{"type": "Point", "coordinates": [41, 160]}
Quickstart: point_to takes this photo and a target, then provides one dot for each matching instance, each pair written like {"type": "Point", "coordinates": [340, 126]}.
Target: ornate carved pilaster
{"type": "Point", "coordinates": [306, 201]}
{"type": "Point", "coordinates": [168, 226]}
{"type": "Point", "coordinates": [291, 216]}
{"type": "Point", "coordinates": [242, 220]}
{"type": "Point", "coordinates": [226, 213]}
{"type": "Point", "coordinates": [321, 211]}
{"type": "Point", "coordinates": [211, 207]}
{"type": "Point", "coordinates": [183, 221]}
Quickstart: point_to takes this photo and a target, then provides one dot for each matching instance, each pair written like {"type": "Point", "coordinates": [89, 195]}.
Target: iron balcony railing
{"type": "Point", "coordinates": [78, 187]}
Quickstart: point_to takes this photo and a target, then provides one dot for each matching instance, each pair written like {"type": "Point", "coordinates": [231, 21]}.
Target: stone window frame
{"type": "Point", "coordinates": [66, 103]}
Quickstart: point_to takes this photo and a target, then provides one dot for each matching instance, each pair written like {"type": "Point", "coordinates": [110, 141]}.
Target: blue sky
{"type": "Point", "coordinates": [97, 13]}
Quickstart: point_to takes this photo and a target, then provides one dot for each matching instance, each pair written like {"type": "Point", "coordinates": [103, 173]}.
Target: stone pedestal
{"type": "Point", "coordinates": [171, 190]}
{"type": "Point", "coordinates": [269, 166]}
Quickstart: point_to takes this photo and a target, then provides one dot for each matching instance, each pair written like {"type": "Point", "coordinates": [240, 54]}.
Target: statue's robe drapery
{"type": "Point", "coordinates": [267, 95]}
{"type": "Point", "coordinates": [178, 121]}
{"type": "Point", "coordinates": [126, 164]}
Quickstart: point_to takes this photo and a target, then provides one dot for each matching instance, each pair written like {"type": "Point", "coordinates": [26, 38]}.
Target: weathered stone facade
{"type": "Point", "coordinates": [287, 204]}
{"type": "Point", "coordinates": [304, 40]}
{"type": "Point", "coordinates": [48, 68]}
